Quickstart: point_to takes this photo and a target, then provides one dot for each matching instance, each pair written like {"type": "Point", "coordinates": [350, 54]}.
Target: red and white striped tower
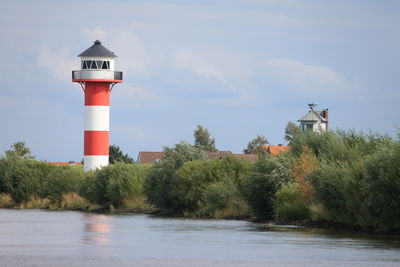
{"type": "Point", "coordinates": [97, 78]}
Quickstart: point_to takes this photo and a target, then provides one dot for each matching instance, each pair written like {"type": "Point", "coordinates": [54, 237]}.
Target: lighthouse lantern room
{"type": "Point", "coordinates": [97, 77]}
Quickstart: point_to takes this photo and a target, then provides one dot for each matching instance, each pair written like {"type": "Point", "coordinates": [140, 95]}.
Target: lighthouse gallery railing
{"type": "Point", "coordinates": [96, 74]}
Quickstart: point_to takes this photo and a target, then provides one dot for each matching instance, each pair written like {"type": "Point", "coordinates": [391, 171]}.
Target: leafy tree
{"type": "Point", "coordinates": [116, 155]}
{"type": "Point", "coordinates": [381, 188]}
{"type": "Point", "coordinates": [208, 187]}
{"type": "Point", "coordinates": [115, 184]}
{"type": "Point", "coordinates": [291, 131]}
{"type": "Point", "coordinates": [19, 151]}
{"type": "Point", "coordinates": [159, 183]}
{"type": "Point", "coordinates": [255, 145]}
{"type": "Point", "coordinates": [203, 140]}
{"type": "Point", "coordinates": [265, 179]}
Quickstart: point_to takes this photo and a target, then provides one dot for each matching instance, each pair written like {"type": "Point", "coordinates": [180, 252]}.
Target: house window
{"type": "Point", "coordinates": [309, 126]}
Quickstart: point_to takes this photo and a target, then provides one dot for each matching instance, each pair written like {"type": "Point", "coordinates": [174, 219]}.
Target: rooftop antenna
{"type": "Point", "coordinates": [312, 106]}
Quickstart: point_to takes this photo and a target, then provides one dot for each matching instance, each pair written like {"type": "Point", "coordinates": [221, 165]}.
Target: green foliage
{"type": "Point", "coordinates": [60, 180]}
{"type": "Point", "coordinates": [184, 183]}
{"type": "Point", "coordinates": [116, 155]}
{"type": "Point", "coordinates": [19, 150]}
{"type": "Point", "coordinates": [330, 182]}
{"type": "Point", "coordinates": [114, 184]}
{"type": "Point", "coordinates": [291, 131]}
{"type": "Point", "coordinates": [161, 178]}
{"type": "Point", "coordinates": [326, 145]}
{"type": "Point", "coordinates": [26, 179]}
{"type": "Point", "coordinates": [203, 140]}
{"type": "Point", "coordinates": [289, 204]}
{"type": "Point", "coordinates": [196, 185]}
{"type": "Point", "coordinates": [381, 187]}
{"type": "Point", "coordinates": [265, 179]}
{"type": "Point", "coordinates": [358, 178]}
{"type": "Point", "coordinates": [255, 145]}
{"type": "Point", "coordinates": [223, 199]}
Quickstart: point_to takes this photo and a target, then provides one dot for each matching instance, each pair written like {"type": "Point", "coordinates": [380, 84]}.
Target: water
{"type": "Point", "coordinates": [49, 238]}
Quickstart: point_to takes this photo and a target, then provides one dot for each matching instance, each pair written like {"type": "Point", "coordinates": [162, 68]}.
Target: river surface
{"type": "Point", "coordinates": [51, 238]}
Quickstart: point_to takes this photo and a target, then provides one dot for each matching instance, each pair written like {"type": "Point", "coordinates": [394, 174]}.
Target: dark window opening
{"type": "Point", "coordinates": [105, 65]}
{"type": "Point", "coordinates": [93, 67]}
{"type": "Point", "coordinates": [309, 126]}
{"type": "Point", "coordinates": [99, 63]}
{"type": "Point", "coordinates": [84, 67]}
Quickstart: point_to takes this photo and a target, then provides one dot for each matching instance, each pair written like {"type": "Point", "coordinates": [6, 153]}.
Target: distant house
{"type": "Point", "coordinates": [145, 157]}
{"type": "Point", "coordinates": [276, 150]}
{"type": "Point", "coordinates": [314, 120]}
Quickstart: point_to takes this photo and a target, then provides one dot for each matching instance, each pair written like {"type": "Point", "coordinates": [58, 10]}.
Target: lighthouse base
{"type": "Point", "coordinates": [94, 162]}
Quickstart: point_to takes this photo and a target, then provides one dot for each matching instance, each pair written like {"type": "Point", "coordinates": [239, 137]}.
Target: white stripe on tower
{"type": "Point", "coordinates": [97, 118]}
{"type": "Point", "coordinates": [94, 162]}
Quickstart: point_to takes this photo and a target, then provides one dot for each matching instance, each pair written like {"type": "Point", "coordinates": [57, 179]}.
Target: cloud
{"type": "Point", "coordinates": [307, 77]}
{"type": "Point", "coordinates": [131, 52]}
{"type": "Point", "coordinates": [59, 64]}
{"type": "Point", "coordinates": [187, 60]}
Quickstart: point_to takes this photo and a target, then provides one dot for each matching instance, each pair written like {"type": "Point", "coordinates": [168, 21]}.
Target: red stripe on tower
{"type": "Point", "coordinates": [97, 77]}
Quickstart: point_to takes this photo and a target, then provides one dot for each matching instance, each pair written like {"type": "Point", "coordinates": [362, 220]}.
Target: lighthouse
{"type": "Point", "coordinates": [97, 77]}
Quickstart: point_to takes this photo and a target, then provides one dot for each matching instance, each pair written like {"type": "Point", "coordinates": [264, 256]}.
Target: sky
{"type": "Point", "coordinates": [238, 68]}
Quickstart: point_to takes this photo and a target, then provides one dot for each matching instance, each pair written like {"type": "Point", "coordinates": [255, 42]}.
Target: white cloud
{"type": "Point", "coordinates": [187, 60]}
{"type": "Point", "coordinates": [129, 47]}
{"type": "Point", "coordinates": [59, 64]}
{"type": "Point", "coordinates": [131, 52]}
{"type": "Point", "coordinates": [302, 76]}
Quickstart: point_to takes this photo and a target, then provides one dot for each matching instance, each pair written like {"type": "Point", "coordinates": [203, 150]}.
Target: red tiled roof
{"type": "Point", "coordinates": [149, 157]}
{"type": "Point", "coordinates": [276, 150]}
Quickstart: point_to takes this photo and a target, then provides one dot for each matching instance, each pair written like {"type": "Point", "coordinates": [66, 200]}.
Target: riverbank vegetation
{"type": "Point", "coordinates": [333, 178]}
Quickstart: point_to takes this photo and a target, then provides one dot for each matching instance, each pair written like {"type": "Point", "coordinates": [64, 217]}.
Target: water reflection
{"type": "Point", "coordinates": [41, 238]}
{"type": "Point", "coordinates": [97, 229]}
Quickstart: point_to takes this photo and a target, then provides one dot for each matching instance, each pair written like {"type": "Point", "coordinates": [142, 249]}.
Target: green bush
{"type": "Point", "coordinates": [330, 183]}
{"type": "Point", "coordinates": [60, 180]}
{"type": "Point", "coordinates": [159, 183]}
{"type": "Point", "coordinates": [289, 205]}
{"type": "Point", "coordinates": [25, 179]}
{"type": "Point", "coordinates": [264, 180]}
{"type": "Point", "coordinates": [203, 187]}
{"type": "Point", "coordinates": [114, 184]}
{"type": "Point", "coordinates": [381, 188]}
{"type": "Point", "coordinates": [223, 199]}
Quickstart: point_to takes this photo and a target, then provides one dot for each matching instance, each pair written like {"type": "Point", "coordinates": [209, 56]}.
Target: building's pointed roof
{"type": "Point", "coordinates": [97, 50]}
{"type": "Point", "coordinates": [312, 115]}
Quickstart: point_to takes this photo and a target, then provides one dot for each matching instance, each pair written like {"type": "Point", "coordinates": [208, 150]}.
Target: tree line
{"type": "Point", "coordinates": [336, 178]}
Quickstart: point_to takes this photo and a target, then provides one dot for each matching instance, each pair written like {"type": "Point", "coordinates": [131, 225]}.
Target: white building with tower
{"type": "Point", "coordinates": [314, 120]}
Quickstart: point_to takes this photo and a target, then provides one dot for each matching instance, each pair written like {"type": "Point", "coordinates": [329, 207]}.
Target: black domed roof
{"type": "Point", "coordinates": [97, 50]}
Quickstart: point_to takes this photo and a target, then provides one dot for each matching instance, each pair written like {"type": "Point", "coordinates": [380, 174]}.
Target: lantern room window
{"type": "Point", "coordinates": [95, 64]}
